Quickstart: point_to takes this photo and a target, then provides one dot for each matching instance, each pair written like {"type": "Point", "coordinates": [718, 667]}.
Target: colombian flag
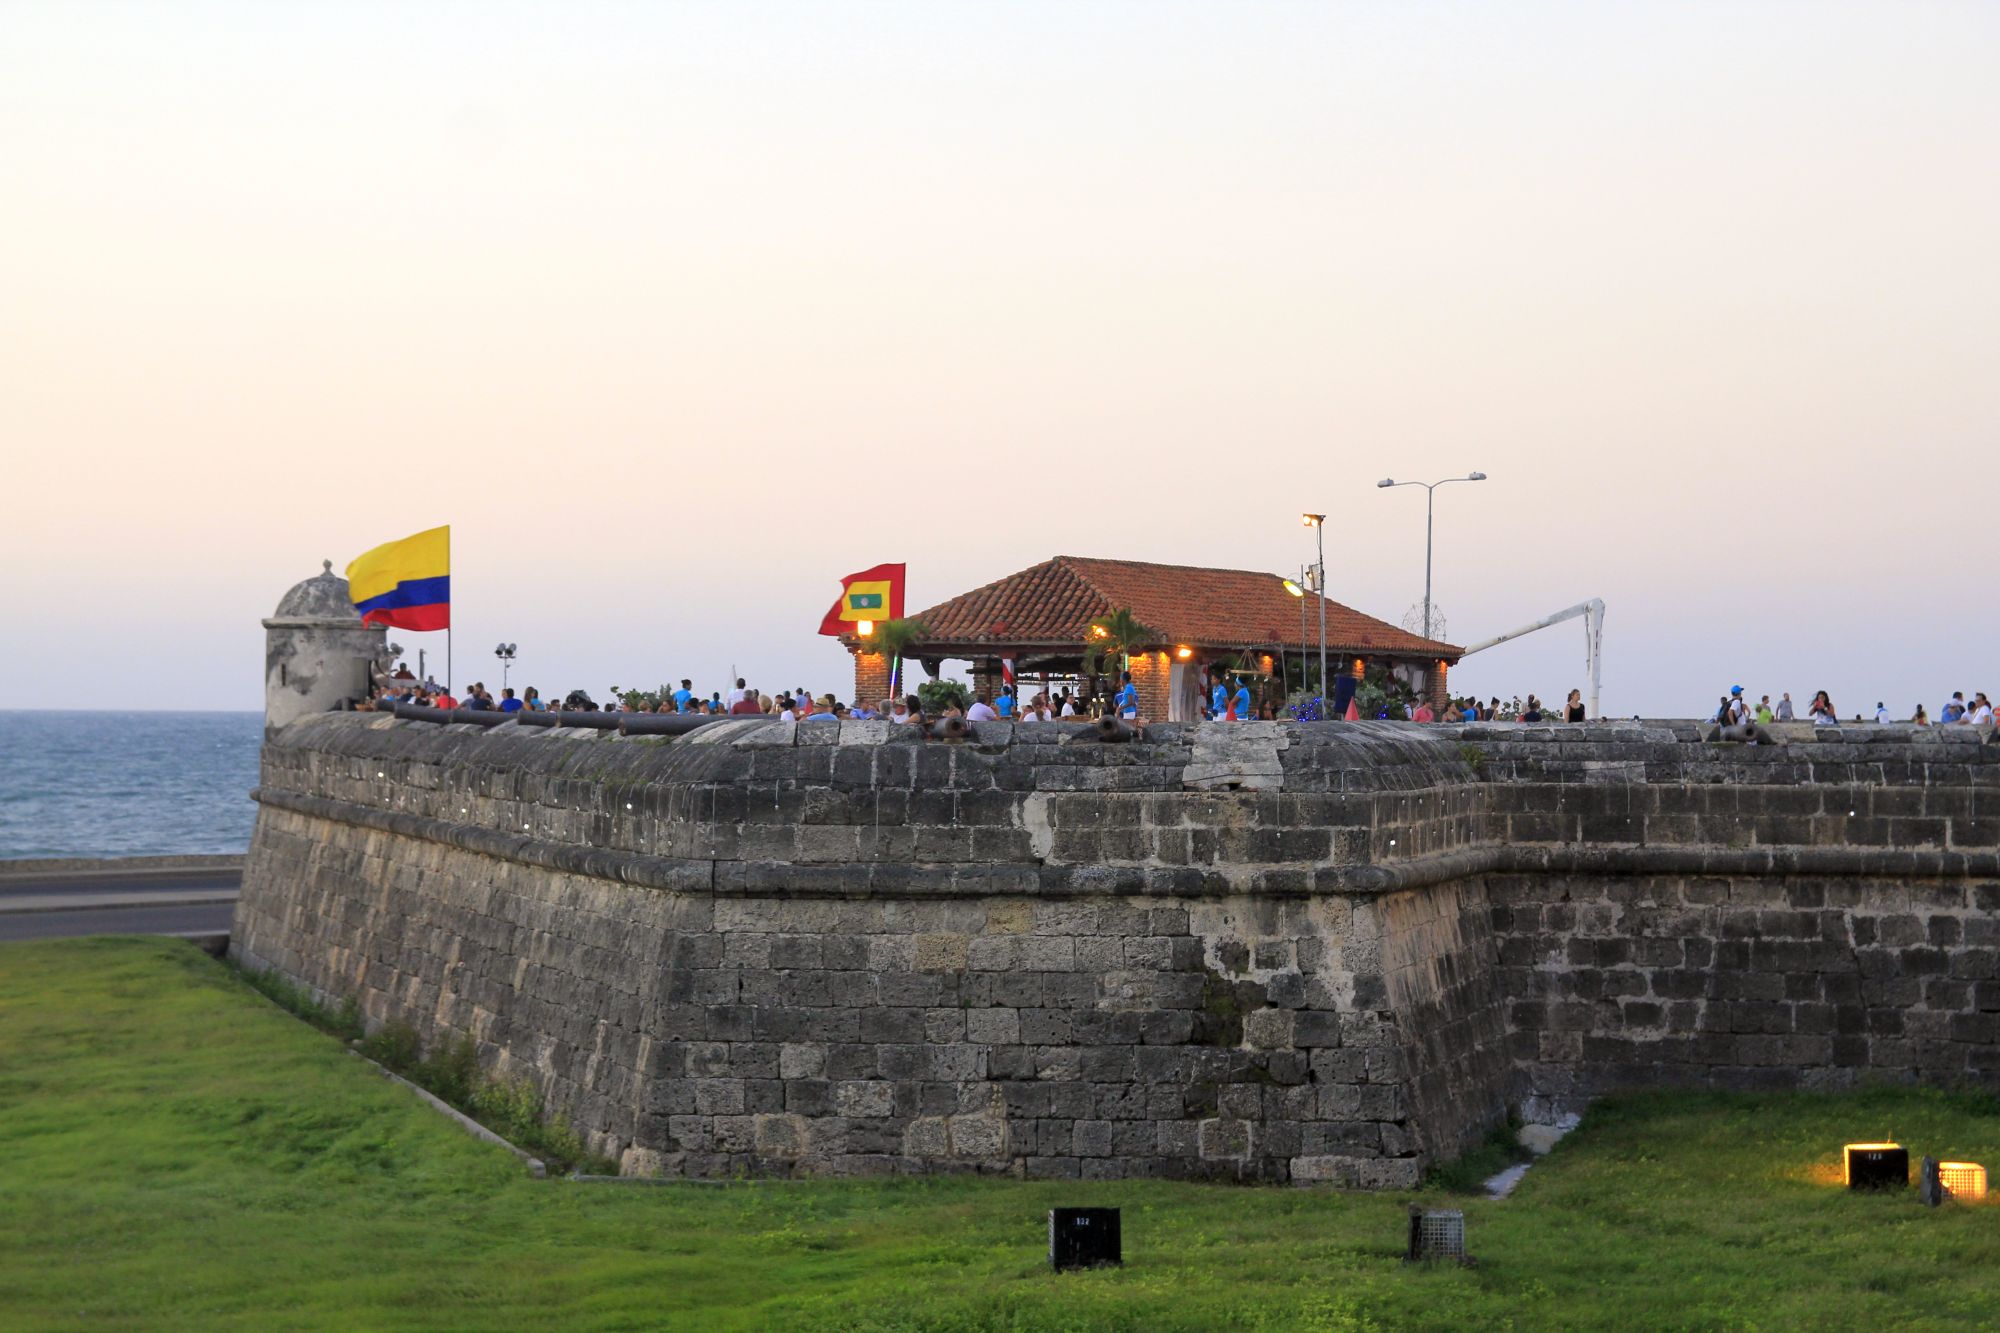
{"type": "Point", "coordinates": [873, 594]}
{"type": "Point", "coordinates": [405, 584]}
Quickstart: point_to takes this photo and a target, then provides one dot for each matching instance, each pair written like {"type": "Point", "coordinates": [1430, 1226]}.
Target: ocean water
{"type": "Point", "coordinates": [126, 784]}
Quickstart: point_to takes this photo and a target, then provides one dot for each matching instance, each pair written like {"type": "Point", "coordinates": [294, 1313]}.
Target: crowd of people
{"type": "Point", "coordinates": [1735, 709]}
{"type": "Point", "coordinates": [1229, 699]}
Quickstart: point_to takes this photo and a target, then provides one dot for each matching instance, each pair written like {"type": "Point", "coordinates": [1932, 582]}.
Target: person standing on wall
{"type": "Point", "coordinates": [1573, 709]}
{"type": "Point", "coordinates": [1343, 692]}
{"type": "Point", "coordinates": [1126, 702]}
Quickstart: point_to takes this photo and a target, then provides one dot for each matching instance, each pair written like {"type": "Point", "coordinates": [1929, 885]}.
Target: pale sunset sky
{"type": "Point", "coordinates": [678, 312]}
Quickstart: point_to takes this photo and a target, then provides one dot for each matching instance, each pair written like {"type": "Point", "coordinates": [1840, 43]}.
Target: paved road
{"type": "Point", "coordinates": [158, 903]}
{"type": "Point", "coordinates": [206, 919]}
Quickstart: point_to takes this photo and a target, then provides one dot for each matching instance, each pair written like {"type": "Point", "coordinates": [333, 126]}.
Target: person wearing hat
{"type": "Point", "coordinates": [1737, 712]}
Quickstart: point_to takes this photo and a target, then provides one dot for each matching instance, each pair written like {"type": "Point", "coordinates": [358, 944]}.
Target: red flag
{"type": "Point", "coordinates": [872, 595]}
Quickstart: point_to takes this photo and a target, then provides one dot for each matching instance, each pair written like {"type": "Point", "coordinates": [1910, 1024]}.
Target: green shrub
{"type": "Point", "coordinates": [935, 694]}
{"type": "Point", "coordinates": [451, 1071]}
{"type": "Point", "coordinates": [395, 1046]}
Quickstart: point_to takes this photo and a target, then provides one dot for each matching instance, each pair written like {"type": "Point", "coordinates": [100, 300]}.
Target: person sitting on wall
{"type": "Point", "coordinates": [981, 711]}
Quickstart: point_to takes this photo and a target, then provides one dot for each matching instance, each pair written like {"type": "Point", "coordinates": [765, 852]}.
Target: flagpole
{"type": "Point", "coordinates": [448, 617]}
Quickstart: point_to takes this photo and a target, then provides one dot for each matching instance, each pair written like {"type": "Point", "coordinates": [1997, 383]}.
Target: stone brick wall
{"type": "Point", "coordinates": [1253, 951]}
{"type": "Point", "coordinates": [1793, 981]}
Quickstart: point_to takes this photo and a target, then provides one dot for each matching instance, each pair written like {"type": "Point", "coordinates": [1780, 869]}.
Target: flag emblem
{"type": "Point", "coordinates": [872, 594]}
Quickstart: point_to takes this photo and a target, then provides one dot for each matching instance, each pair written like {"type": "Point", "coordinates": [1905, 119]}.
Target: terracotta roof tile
{"type": "Point", "coordinates": [1054, 601]}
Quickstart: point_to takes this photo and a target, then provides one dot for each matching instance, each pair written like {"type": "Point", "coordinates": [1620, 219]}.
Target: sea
{"type": "Point", "coordinates": [89, 784]}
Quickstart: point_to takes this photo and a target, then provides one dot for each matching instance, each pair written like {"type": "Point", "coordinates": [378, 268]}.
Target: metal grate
{"type": "Point", "coordinates": [1965, 1180]}
{"type": "Point", "coordinates": [1437, 1233]}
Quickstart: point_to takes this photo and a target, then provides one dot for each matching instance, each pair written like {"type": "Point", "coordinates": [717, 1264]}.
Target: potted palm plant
{"type": "Point", "coordinates": [1117, 633]}
{"type": "Point", "coordinates": [894, 639]}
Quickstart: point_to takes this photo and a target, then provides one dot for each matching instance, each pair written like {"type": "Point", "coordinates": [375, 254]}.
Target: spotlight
{"type": "Point", "coordinates": [1874, 1166]}
{"type": "Point", "coordinates": [1436, 1233]}
{"type": "Point", "coordinates": [1084, 1238]}
{"type": "Point", "coordinates": [1965, 1180]}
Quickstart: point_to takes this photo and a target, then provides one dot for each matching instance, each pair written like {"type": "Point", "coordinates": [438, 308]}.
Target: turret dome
{"type": "Point", "coordinates": [321, 597]}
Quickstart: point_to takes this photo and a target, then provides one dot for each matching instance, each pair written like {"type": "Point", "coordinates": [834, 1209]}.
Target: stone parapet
{"type": "Point", "coordinates": [1248, 951]}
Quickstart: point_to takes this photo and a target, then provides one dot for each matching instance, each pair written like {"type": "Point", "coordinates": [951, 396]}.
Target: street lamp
{"type": "Point", "coordinates": [1430, 496]}
{"type": "Point", "coordinates": [505, 652]}
{"type": "Point", "coordinates": [1317, 522]}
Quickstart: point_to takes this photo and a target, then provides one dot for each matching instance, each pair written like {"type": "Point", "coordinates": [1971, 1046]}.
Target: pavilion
{"type": "Point", "coordinates": [1040, 617]}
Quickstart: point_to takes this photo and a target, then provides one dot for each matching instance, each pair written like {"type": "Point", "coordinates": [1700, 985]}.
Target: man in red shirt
{"type": "Point", "coordinates": [746, 705]}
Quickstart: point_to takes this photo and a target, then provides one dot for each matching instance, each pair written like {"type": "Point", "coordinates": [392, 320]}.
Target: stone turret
{"type": "Point", "coordinates": [317, 652]}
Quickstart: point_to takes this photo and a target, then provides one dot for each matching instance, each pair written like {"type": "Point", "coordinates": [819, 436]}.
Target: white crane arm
{"type": "Point", "coordinates": [1593, 640]}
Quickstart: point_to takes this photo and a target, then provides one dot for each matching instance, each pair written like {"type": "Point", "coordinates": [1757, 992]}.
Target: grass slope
{"type": "Point", "coordinates": [175, 1152]}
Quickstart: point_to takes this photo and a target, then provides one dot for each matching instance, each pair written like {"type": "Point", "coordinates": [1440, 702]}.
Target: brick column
{"type": "Point", "coordinates": [1152, 673]}
{"type": "Point", "coordinates": [1435, 692]}
{"type": "Point", "coordinates": [986, 678]}
{"type": "Point", "coordinates": [871, 678]}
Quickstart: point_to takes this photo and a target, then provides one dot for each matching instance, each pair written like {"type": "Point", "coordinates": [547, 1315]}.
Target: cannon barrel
{"type": "Point", "coordinates": [1114, 730]}
{"type": "Point", "coordinates": [594, 721]}
{"type": "Point", "coordinates": [950, 729]}
{"type": "Point", "coordinates": [664, 724]}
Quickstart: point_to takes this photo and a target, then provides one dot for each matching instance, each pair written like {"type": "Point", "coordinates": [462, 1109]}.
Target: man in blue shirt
{"type": "Point", "coordinates": [1004, 705]}
{"type": "Point", "coordinates": [508, 703]}
{"type": "Point", "coordinates": [1343, 695]}
{"type": "Point", "coordinates": [1218, 699]}
{"type": "Point", "coordinates": [683, 695]}
{"type": "Point", "coordinates": [1127, 699]}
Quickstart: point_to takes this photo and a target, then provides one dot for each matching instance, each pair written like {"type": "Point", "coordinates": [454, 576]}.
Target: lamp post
{"type": "Point", "coordinates": [1317, 522]}
{"type": "Point", "coordinates": [1430, 496]}
{"type": "Point", "coordinates": [1298, 590]}
{"type": "Point", "coordinates": [505, 652]}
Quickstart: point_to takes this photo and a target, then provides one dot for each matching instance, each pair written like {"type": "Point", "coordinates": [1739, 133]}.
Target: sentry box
{"type": "Point", "coordinates": [1875, 1166]}
{"type": "Point", "coordinates": [1084, 1238]}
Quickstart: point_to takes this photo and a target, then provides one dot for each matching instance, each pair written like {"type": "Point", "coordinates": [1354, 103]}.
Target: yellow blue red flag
{"type": "Point", "coordinates": [405, 584]}
{"type": "Point", "coordinates": [873, 594]}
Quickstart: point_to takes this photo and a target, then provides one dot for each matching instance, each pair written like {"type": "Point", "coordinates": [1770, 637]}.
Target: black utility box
{"type": "Point", "coordinates": [1084, 1238]}
{"type": "Point", "coordinates": [1875, 1166]}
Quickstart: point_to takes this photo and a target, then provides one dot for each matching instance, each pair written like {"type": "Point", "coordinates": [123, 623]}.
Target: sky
{"type": "Point", "coordinates": [678, 312]}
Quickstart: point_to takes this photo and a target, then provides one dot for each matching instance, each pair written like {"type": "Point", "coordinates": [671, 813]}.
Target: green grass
{"type": "Point", "coordinates": [177, 1152]}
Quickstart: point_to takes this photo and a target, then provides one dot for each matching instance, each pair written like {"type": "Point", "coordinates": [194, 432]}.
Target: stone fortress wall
{"type": "Point", "coordinates": [1328, 952]}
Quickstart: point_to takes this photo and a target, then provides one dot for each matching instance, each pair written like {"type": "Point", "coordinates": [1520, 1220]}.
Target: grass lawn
{"type": "Point", "coordinates": [175, 1151]}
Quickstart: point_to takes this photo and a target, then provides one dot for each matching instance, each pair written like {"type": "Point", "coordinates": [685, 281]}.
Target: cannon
{"type": "Point", "coordinates": [1115, 731]}
{"type": "Point", "coordinates": [950, 729]}
{"type": "Point", "coordinates": [664, 724]}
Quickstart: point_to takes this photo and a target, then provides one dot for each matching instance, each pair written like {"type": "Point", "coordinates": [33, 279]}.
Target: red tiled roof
{"type": "Point", "coordinates": [1056, 600]}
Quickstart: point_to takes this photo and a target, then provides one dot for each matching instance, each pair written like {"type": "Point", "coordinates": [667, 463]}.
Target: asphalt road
{"type": "Point", "coordinates": [158, 903]}
{"type": "Point", "coordinates": [210, 919]}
